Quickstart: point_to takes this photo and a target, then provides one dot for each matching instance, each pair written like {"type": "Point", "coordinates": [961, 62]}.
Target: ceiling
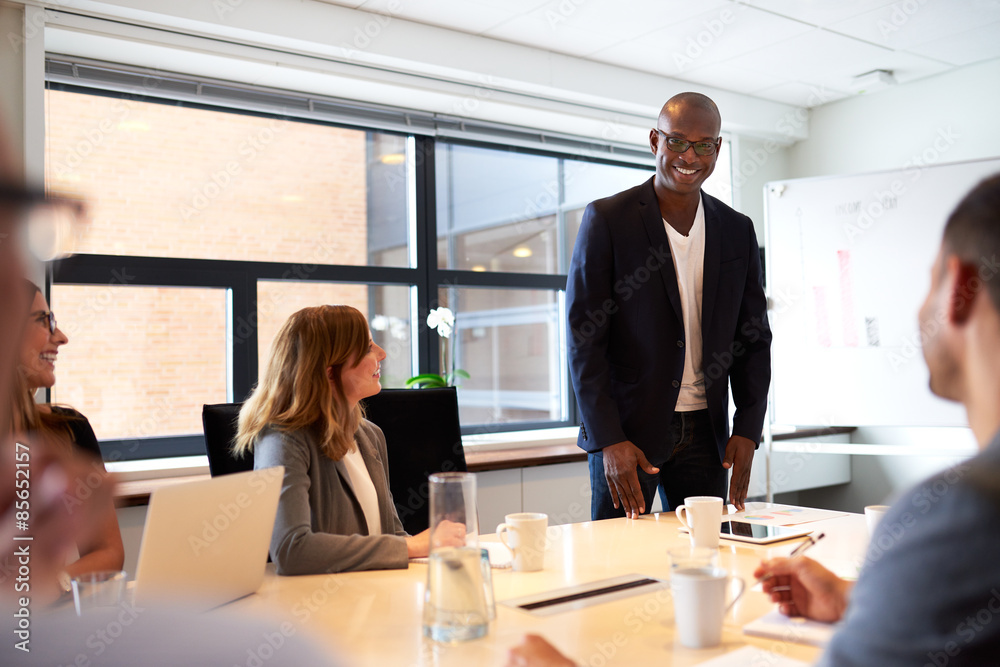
{"type": "Point", "coordinates": [801, 52]}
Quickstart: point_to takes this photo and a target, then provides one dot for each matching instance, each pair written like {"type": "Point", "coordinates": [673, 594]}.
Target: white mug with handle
{"type": "Point", "coordinates": [524, 534]}
{"type": "Point", "coordinates": [702, 516]}
{"type": "Point", "coordinates": [700, 604]}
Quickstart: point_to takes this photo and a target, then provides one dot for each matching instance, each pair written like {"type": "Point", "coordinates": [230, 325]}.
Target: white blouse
{"type": "Point", "coordinates": [361, 484]}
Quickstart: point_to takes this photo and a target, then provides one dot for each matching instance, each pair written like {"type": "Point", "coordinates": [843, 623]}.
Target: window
{"type": "Point", "coordinates": [210, 224]}
{"type": "Point", "coordinates": [207, 228]}
{"type": "Point", "coordinates": [510, 219]}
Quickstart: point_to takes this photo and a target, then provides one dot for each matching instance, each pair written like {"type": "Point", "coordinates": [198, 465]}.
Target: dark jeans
{"type": "Point", "coordinates": [693, 469]}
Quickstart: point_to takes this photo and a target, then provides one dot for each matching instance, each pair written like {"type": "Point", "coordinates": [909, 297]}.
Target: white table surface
{"type": "Point", "coordinates": [374, 618]}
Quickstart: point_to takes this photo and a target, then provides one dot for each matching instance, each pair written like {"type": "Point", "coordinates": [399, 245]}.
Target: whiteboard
{"type": "Point", "coordinates": [848, 267]}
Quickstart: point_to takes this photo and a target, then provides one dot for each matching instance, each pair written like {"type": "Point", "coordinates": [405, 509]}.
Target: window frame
{"type": "Point", "coordinates": [241, 276]}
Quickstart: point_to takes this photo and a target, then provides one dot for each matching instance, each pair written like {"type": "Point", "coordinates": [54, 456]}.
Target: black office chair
{"type": "Point", "coordinates": [219, 422]}
{"type": "Point", "coordinates": [422, 436]}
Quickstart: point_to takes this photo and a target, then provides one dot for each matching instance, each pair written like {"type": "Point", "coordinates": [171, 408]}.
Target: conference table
{"type": "Point", "coordinates": [375, 618]}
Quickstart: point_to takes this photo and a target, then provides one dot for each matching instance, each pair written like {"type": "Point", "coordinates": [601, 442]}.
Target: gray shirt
{"type": "Point", "coordinates": [929, 592]}
{"type": "Point", "coordinates": [320, 527]}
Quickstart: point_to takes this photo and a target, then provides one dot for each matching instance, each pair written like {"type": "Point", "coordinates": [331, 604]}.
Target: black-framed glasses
{"type": "Point", "coordinates": [703, 148]}
{"type": "Point", "coordinates": [48, 220]}
{"type": "Point", "coordinates": [48, 318]}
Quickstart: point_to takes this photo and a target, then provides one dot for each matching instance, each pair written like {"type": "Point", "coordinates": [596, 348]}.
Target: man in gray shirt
{"type": "Point", "coordinates": [929, 592]}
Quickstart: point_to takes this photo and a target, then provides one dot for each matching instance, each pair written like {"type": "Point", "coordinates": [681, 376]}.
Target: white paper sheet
{"type": "Point", "coordinates": [751, 656]}
{"type": "Point", "coordinates": [767, 514]}
{"type": "Point", "coordinates": [776, 625]}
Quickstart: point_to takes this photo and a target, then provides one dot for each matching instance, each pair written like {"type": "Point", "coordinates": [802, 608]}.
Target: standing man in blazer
{"type": "Point", "coordinates": [666, 303]}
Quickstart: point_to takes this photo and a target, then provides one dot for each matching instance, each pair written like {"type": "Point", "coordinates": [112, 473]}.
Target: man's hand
{"type": "Point", "coordinates": [803, 587]}
{"type": "Point", "coordinates": [534, 651]}
{"type": "Point", "coordinates": [739, 457]}
{"type": "Point", "coordinates": [620, 462]}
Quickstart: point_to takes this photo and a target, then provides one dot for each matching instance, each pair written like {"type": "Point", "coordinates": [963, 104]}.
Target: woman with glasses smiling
{"type": "Point", "coordinates": [61, 426]}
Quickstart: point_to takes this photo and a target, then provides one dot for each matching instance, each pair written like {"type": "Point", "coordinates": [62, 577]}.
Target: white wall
{"type": "Point", "coordinates": [951, 117]}
{"type": "Point", "coordinates": [947, 118]}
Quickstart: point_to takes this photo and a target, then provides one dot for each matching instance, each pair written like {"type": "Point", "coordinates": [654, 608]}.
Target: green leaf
{"type": "Point", "coordinates": [426, 380]}
{"type": "Point", "coordinates": [450, 377]}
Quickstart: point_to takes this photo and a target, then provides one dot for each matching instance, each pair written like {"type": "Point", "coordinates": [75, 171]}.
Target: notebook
{"type": "Point", "coordinates": [205, 543]}
{"type": "Point", "coordinates": [776, 625]}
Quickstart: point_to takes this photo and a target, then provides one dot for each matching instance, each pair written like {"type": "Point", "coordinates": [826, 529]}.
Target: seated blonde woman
{"type": "Point", "coordinates": [335, 512]}
{"type": "Point", "coordinates": [62, 428]}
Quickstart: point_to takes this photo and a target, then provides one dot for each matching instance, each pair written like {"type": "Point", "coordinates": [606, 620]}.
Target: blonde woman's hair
{"type": "Point", "coordinates": [294, 391]}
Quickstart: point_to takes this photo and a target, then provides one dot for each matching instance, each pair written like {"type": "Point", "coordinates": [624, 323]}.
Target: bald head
{"type": "Point", "coordinates": [683, 103]}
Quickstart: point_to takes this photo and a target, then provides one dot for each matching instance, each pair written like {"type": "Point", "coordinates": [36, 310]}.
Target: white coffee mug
{"type": "Point", "coordinates": [700, 604]}
{"type": "Point", "coordinates": [524, 534]}
{"type": "Point", "coordinates": [702, 515]}
{"type": "Point", "coordinates": [874, 514]}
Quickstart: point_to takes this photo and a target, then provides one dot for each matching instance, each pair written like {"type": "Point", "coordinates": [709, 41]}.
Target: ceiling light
{"type": "Point", "coordinates": [479, 268]}
{"type": "Point", "coordinates": [522, 251]}
{"type": "Point", "coordinates": [870, 82]}
{"type": "Point", "coordinates": [393, 158]}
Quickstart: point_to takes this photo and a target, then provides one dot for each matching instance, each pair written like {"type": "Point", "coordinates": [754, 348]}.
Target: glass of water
{"type": "Point", "coordinates": [458, 602]}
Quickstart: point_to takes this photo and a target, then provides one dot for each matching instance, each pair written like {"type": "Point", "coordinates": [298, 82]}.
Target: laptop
{"type": "Point", "coordinates": [205, 543]}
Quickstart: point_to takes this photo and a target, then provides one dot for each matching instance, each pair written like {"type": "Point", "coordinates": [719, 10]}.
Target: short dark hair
{"type": "Point", "coordinates": [973, 233]}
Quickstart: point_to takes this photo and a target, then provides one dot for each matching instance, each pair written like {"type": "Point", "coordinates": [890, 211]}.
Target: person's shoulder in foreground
{"type": "Point", "coordinates": [929, 593]}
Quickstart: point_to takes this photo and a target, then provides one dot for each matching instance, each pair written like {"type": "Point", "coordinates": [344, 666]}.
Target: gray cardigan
{"type": "Point", "coordinates": [320, 527]}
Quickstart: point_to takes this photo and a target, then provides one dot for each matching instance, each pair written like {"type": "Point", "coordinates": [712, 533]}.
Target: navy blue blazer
{"type": "Point", "coordinates": [626, 333]}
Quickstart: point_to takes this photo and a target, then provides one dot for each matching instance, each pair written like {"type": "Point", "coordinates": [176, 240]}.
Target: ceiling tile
{"type": "Point", "coordinates": [905, 24]}
{"type": "Point", "coordinates": [627, 19]}
{"type": "Point", "coordinates": [819, 12]}
{"type": "Point", "coordinates": [801, 94]}
{"type": "Point", "coordinates": [827, 59]}
{"type": "Point", "coordinates": [544, 29]}
{"type": "Point", "coordinates": [469, 16]}
{"type": "Point", "coordinates": [972, 46]}
{"type": "Point", "coordinates": [730, 77]}
{"type": "Point", "coordinates": [344, 3]}
{"type": "Point", "coordinates": [708, 38]}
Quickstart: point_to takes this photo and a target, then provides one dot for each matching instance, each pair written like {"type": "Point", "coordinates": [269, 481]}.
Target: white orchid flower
{"type": "Point", "coordinates": [441, 320]}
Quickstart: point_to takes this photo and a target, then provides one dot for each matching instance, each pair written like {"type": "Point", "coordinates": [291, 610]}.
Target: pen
{"type": "Point", "coordinates": [798, 551]}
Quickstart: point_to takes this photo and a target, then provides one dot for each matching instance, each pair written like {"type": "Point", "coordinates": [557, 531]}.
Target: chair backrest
{"type": "Point", "coordinates": [422, 436]}
{"type": "Point", "coordinates": [219, 422]}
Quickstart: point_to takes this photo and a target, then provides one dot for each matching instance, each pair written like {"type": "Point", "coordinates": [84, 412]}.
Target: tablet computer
{"type": "Point", "coordinates": [755, 533]}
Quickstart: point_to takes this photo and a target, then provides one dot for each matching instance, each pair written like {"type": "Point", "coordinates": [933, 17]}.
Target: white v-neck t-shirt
{"type": "Point", "coordinates": [364, 489]}
{"type": "Point", "coordinates": [688, 254]}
